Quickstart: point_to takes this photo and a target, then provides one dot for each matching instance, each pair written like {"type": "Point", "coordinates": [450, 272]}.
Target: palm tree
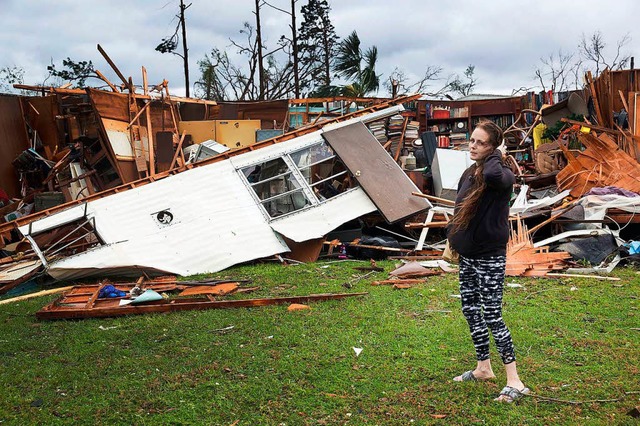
{"type": "Point", "coordinates": [351, 63]}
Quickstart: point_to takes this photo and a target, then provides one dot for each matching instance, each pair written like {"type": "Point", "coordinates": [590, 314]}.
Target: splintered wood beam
{"type": "Point", "coordinates": [401, 141]}
{"type": "Point", "coordinates": [152, 154]}
{"type": "Point", "coordinates": [435, 199]}
{"type": "Point", "coordinates": [113, 66]}
{"type": "Point", "coordinates": [594, 96]}
{"type": "Point", "coordinates": [419, 225]}
{"type": "Point", "coordinates": [178, 150]}
{"type": "Point", "coordinates": [33, 108]}
{"type": "Point", "coordinates": [143, 109]}
{"type": "Point", "coordinates": [318, 117]}
{"type": "Point", "coordinates": [165, 85]}
{"type": "Point", "coordinates": [145, 89]}
{"type": "Point", "coordinates": [106, 80]}
{"type": "Point", "coordinates": [624, 101]}
{"type": "Point", "coordinates": [173, 117]}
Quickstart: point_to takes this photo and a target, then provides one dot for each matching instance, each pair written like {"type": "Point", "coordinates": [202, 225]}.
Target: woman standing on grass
{"type": "Point", "coordinates": [479, 232]}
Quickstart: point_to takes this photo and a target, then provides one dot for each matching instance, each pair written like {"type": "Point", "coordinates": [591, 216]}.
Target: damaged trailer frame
{"type": "Point", "coordinates": [215, 215]}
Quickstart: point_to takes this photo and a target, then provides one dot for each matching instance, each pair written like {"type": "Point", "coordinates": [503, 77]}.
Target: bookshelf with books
{"type": "Point", "coordinates": [449, 121]}
{"type": "Point", "coordinates": [500, 111]}
{"type": "Point", "coordinates": [502, 120]}
{"type": "Point", "coordinates": [452, 121]}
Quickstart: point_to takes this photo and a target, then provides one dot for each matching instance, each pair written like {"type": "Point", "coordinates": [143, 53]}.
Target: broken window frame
{"type": "Point", "coordinates": [92, 231]}
{"type": "Point", "coordinates": [82, 221]}
{"type": "Point", "coordinates": [297, 172]}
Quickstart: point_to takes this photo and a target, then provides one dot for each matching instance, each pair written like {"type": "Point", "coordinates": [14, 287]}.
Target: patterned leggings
{"type": "Point", "coordinates": [481, 286]}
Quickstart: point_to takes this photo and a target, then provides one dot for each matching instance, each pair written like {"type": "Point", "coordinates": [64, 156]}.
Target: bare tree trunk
{"type": "Point", "coordinates": [261, 75]}
{"type": "Point", "coordinates": [327, 58]}
{"type": "Point", "coordinates": [294, 38]}
{"type": "Point", "coordinates": [184, 46]}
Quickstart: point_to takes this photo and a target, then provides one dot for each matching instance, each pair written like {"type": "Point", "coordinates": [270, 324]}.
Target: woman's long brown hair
{"type": "Point", "coordinates": [469, 205]}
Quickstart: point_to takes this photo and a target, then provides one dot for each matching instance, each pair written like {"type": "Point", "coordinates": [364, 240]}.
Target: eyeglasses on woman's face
{"type": "Point", "coordinates": [478, 142]}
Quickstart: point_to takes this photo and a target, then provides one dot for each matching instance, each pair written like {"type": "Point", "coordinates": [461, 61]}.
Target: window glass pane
{"type": "Point", "coordinates": [275, 184]}
{"type": "Point", "coordinates": [287, 203]}
{"type": "Point", "coordinates": [312, 154]}
{"type": "Point", "coordinates": [263, 171]}
{"type": "Point", "coordinates": [323, 171]}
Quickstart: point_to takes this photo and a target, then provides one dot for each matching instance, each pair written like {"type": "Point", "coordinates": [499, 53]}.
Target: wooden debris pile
{"type": "Point", "coordinates": [84, 301]}
{"type": "Point", "coordinates": [525, 259]}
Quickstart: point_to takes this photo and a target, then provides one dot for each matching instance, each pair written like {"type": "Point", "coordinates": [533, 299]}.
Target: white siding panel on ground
{"type": "Point", "coordinates": [216, 224]}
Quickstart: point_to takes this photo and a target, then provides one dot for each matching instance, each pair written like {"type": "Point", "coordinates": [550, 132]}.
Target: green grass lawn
{"type": "Point", "coordinates": [576, 340]}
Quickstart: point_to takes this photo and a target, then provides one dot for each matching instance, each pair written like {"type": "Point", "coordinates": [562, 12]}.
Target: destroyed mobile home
{"type": "Point", "coordinates": [144, 190]}
{"type": "Point", "coordinates": [227, 210]}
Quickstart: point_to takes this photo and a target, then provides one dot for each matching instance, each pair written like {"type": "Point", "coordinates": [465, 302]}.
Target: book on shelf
{"type": "Point", "coordinates": [503, 121]}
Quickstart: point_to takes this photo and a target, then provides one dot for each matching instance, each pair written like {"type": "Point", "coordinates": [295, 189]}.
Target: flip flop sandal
{"type": "Point", "coordinates": [468, 376]}
{"type": "Point", "coordinates": [512, 394]}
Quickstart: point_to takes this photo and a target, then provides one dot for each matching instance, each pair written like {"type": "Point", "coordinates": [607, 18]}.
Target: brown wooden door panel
{"type": "Point", "coordinates": [377, 173]}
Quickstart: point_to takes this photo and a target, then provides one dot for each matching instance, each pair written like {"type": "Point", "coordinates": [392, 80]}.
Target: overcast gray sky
{"type": "Point", "coordinates": [503, 39]}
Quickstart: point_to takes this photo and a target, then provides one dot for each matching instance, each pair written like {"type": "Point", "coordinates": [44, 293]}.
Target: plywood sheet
{"type": "Point", "coordinates": [13, 140]}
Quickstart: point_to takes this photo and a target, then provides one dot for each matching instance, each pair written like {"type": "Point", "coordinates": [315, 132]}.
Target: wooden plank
{"type": "Point", "coordinates": [403, 280]}
{"type": "Point", "coordinates": [106, 80]}
{"type": "Point", "coordinates": [33, 295]}
{"type": "Point", "coordinates": [435, 199]}
{"type": "Point", "coordinates": [57, 311]}
{"type": "Point", "coordinates": [598, 277]}
{"type": "Point", "coordinates": [178, 150]}
{"type": "Point", "coordinates": [377, 173]}
{"type": "Point", "coordinates": [594, 96]}
{"type": "Point", "coordinates": [152, 152]}
{"type": "Point", "coordinates": [137, 116]}
{"type": "Point", "coordinates": [396, 156]}
{"type": "Point", "coordinates": [219, 289]}
{"type": "Point", "coordinates": [113, 66]}
{"type": "Point", "coordinates": [145, 84]}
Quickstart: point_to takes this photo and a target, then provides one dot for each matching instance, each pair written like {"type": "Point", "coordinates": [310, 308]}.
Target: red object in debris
{"type": "Point", "coordinates": [441, 113]}
{"type": "Point", "coordinates": [4, 198]}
